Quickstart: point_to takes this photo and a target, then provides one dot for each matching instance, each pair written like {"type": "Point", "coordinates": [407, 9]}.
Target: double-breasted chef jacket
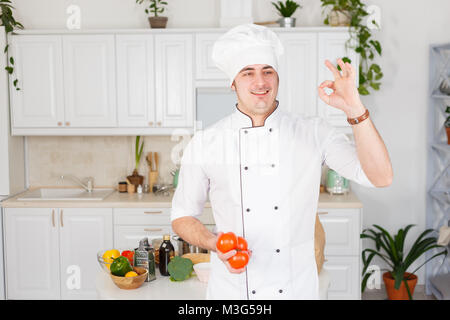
{"type": "Point", "coordinates": [263, 184]}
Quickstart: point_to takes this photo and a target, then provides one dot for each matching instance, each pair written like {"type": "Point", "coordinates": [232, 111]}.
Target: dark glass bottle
{"type": "Point", "coordinates": [166, 253]}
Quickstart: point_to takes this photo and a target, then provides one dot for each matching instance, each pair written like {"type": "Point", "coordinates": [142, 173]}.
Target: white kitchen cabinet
{"type": "Point", "coordinates": [345, 280]}
{"type": "Point", "coordinates": [342, 251]}
{"type": "Point", "coordinates": [89, 81]}
{"type": "Point", "coordinates": [135, 81]}
{"type": "Point", "coordinates": [127, 237]}
{"type": "Point", "coordinates": [332, 46]}
{"type": "Point", "coordinates": [46, 247]}
{"type": "Point", "coordinates": [83, 232]}
{"type": "Point", "coordinates": [174, 80]}
{"type": "Point", "coordinates": [205, 69]}
{"type": "Point", "coordinates": [122, 82]}
{"type": "Point", "coordinates": [32, 253]}
{"type": "Point", "coordinates": [39, 69]}
{"type": "Point", "coordinates": [297, 90]}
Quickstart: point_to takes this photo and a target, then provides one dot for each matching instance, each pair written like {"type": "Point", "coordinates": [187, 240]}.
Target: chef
{"type": "Point", "coordinates": [261, 168]}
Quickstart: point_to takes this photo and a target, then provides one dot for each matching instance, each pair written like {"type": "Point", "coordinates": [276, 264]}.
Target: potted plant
{"type": "Point", "coordinates": [135, 178]}
{"type": "Point", "coordinates": [447, 124]}
{"type": "Point", "coordinates": [286, 10]}
{"type": "Point", "coordinates": [360, 39]}
{"type": "Point", "coordinates": [155, 7]}
{"type": "Point", "coordinates": [7, 20]}
{"type": "Point", "coordinates": [399, 283]}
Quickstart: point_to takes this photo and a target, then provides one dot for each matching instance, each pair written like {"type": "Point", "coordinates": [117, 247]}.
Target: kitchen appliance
{"type": "Point", "coordinates": [12, 164]}
{"type": "Point", "coordinates": [336, 184]}
{"type": "Point", "coordinates": [214, 104]}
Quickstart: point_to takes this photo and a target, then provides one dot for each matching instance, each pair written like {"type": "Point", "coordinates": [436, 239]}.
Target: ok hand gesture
{"type": "Point", "coordinates": [345, 95]}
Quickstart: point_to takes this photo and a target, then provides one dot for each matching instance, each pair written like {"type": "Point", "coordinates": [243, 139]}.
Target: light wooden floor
{"type": "Point", "coordinates": [380, 294]}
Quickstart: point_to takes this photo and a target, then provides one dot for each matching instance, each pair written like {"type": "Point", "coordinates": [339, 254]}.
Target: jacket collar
{"type": "Point", "coordinates": [242, 120]}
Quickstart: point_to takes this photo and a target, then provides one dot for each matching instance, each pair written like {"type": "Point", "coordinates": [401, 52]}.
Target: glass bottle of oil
{"type": "Point", "coordinates": [166, 253]}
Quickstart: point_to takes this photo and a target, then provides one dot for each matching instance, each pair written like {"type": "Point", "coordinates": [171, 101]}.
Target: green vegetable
{"type": "Point", "coordinates": [180, 268]}
{"type": "Point", "coordinates": [120, 266]}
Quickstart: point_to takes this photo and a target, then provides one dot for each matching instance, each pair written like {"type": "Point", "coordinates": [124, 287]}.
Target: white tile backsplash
{"type": "Point", "coordinates": [108, 159]}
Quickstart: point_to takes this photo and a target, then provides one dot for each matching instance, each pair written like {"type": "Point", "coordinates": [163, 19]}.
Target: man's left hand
{"type": "Point", "coordinates": [345, 95]}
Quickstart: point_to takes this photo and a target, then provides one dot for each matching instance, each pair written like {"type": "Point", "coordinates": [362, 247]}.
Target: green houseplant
{"type": "Point", "coordinates": [155, 7]}
{"type": "Point", "coordinates": [135, 178]}
{"type": "Point", "coordinates": [9, 22]}
{"type": "Point", "coordinates": [286, 10]}
{"type": "Point", "coordinates": [391, 250]}
{"type": "Point", "coordinates": [360, 40]}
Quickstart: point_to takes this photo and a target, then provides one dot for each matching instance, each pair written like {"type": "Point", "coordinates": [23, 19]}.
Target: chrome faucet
{"type": "Point", "coordinates": [90, 183]}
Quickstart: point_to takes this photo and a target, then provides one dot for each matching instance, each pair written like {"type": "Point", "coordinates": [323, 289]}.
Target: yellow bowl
{"type": "Point", "coordinates": [128, 283]}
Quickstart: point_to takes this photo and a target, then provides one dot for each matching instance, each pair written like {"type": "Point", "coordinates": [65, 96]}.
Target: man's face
{"type": "Point", "coordinates": [256, 87]}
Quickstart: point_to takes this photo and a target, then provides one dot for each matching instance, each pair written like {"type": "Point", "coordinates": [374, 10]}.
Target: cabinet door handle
{"type": "Point", "coordinates": [153, 229]}
{"type": "Point", "coordinates": [153, 212]}
{"type": "Point", "coordinates": [62, 218]}
{"type": "Point", "coordinates": [322, 212]}
{"type": "Point", "coordinates": [53, 217]}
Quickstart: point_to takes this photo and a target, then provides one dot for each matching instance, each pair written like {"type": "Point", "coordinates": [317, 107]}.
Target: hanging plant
{"type": "Point", "coordinates": [369, 73]}
{"type": "Point", "coordinates": [8, 21]}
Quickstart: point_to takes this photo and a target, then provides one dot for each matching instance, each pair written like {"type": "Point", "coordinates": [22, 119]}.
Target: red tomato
{"type": "Point", "coordinates": [129, 255]}
{"type": "Point", "coordinates": [242, 244]}
{"type": "Point", "coordinates": [239, 260]}
{"type": "Point", "coordinates": [226, 242]}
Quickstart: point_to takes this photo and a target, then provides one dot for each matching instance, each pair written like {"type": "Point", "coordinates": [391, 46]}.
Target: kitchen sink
{"type": "Point", "coordinates": [65, 194]}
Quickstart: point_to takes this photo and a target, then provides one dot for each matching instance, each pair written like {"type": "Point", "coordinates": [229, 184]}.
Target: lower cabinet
{"type": "Point", "coordinates": [51, 253]}
{"type": "Point", "coordinates": [342, 251]}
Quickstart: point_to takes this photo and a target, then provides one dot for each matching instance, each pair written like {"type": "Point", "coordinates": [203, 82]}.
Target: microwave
{"type": "Point", "coordinates": [213, 104]}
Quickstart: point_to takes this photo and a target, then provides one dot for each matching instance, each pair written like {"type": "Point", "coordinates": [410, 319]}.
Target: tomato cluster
{"type": "Point", "coordinates": [229, 241]}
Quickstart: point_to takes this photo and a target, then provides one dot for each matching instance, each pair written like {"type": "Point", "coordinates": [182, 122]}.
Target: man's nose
{"type": "Point", "coordinates": [259, 79]}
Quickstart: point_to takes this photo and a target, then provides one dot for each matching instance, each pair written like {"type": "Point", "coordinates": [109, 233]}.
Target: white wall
{"type": "Point", "coordinates": [399, 110]}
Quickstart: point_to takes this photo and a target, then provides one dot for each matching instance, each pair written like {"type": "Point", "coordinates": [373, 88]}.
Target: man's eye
{"type": "Point", "coordinates": [268, 72]}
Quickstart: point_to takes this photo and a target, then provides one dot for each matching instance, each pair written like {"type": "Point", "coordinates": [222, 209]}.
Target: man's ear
{"type": "Point", "coordinates": [233, 86]}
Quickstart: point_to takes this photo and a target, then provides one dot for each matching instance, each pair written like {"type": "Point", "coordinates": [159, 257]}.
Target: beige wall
{"type": "Point", "coordinates": [107, 159]}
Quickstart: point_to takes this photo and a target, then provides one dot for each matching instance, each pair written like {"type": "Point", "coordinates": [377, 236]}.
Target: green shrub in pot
{"type": "Point", "coordinates": [391, 250]}
{"type": "Point", "coordinates": [286, 9]}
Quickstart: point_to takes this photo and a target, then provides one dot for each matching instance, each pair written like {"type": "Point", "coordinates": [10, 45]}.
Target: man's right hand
{"type": "Point", "coordinates": [225, 256]}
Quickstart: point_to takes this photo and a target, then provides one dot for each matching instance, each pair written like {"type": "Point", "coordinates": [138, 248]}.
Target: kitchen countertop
{"type": "Point", "coordinates": [163, 289]}
{"type": "Point", "coordinates": [149, 200]}
{"type": "Point", "coordinates": [159, 289]}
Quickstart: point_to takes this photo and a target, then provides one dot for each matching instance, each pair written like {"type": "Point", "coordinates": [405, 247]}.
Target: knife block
{"type": "Point", "coordinates": [152, 179]}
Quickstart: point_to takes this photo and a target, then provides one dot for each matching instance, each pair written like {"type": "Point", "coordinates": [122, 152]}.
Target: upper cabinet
{"type": "Point", "coordinates": [135, 80]}
{"type": "Point", "coordinates": [205, 69]}
{"type": "Point", "coordinates": [173, 80]}
{"type": "Point", "coordinates": [89, 81]}
{"type": "Point", "coordinates": [297, 92]}
{"type": "Point", "coordinates": [144, 82]}
{"type": "Point", "coordinates": [38, 66]}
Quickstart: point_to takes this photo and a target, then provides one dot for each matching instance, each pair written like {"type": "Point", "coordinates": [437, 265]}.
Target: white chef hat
{"type": "Point", "coordinates": [245, 45]}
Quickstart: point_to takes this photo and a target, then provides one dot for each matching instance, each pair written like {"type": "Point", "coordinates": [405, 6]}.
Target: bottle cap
{"type": "Point", "coordinates": [166, 237]}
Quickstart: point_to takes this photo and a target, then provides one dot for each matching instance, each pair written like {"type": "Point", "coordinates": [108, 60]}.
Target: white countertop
{"type": "Point", "coordinates": [159, 289]}
{"type": "Point", "coordinates": [164, 289]}
{"type": "Point", "coordinates": [149, 200]}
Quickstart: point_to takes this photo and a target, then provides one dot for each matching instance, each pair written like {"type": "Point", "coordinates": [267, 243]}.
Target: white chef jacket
{"type": "Point", "coordinates": [264, 184]}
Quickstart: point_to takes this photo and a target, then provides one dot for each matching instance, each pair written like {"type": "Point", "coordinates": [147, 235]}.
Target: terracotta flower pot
{"type": "Point", "coordinates": [401, 293]}
{"type": "Point", "coordinates": [448, 134]}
